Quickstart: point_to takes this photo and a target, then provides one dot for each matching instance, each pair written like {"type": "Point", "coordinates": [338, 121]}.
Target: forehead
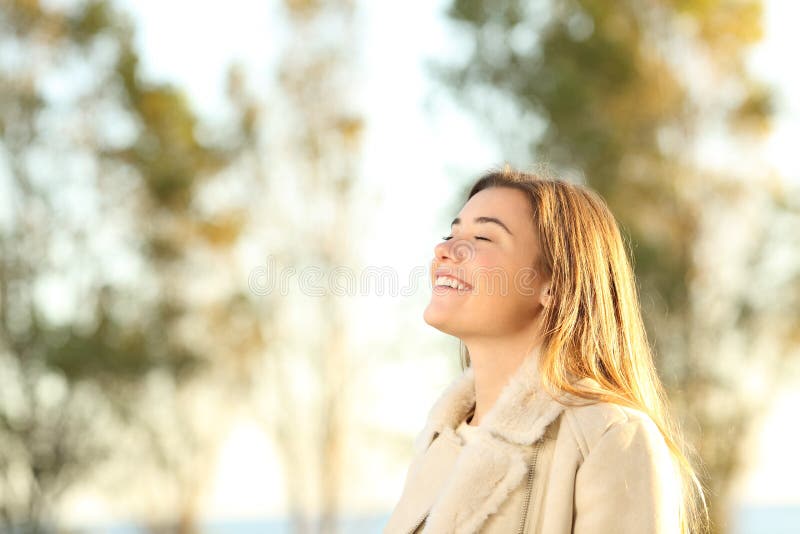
{"type": "Point", "coordinates": [509, 205]}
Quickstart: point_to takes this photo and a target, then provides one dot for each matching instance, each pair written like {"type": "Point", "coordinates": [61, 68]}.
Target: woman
{"type": "Point", "coordinates": [559, 423]}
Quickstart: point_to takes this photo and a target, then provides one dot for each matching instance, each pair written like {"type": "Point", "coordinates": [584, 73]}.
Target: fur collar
{"type": "Point", "coordinates": [519, 416]}
{"type": "Point", "coordinates": [495, 463]}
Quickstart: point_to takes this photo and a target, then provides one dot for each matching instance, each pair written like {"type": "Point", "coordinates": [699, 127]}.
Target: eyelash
{"type": "Point", "coordinates": [448, 237]}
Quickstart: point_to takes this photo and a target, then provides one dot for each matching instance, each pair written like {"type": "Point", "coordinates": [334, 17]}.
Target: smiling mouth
{"type": "Point", "coordinates": [446, 284]}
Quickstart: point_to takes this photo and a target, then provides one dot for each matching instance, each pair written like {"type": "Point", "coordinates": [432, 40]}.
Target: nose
{"type": "Point", "coordinates": [441, 250]}
{"type": "Point", "coordinates": [456, 250]}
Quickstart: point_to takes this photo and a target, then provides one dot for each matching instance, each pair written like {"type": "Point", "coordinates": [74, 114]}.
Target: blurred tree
{"type": "Point", "coordinates": [307, 153]}
{"type": "Point", "coordinates": [621, 94]}
{"type": "Point", "coordinates": [106, 232]}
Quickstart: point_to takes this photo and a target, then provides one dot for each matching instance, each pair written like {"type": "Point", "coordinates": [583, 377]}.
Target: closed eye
{"type": "Point", "coordinates": [449, 237]}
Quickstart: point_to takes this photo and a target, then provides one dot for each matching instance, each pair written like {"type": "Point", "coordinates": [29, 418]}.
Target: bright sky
{"type": "Point", "coordinates": [770, 60]}
{"type": "Point", "coordinates": [407, 148]}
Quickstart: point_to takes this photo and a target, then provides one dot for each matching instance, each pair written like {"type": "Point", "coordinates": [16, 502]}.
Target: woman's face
{"type": "Point", "coordinates": [490, 257]}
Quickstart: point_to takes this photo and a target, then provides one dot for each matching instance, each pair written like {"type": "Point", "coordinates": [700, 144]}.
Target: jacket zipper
{"type": "Point", "coordinates": [527, 500]}
{"type": "Point", "coordinates": [418, 523]}
{"type": "Point", "coordinates": [529, 488]}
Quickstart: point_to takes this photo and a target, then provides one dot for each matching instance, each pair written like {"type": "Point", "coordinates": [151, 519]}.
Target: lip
{"type": "Point", "coordinates": [444, 272]}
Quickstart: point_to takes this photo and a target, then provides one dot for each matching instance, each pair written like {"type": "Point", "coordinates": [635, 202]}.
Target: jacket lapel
{"type": "Point", "coordinates": [489, 468]}
{"type": "Point", "coordinates": [427, 475]}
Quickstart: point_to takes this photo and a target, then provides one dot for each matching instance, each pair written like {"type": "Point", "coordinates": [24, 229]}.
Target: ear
{"type": "Point", "coordinates": [546, 296]}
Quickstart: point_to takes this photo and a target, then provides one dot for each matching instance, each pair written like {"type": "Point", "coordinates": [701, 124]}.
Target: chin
{"type": "Point", "coordinates": [431, 318]}
{"type": "Point", "coordinates": [441, 323]}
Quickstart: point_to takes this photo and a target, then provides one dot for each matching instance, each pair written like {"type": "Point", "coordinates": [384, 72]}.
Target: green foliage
{"type": "Point", "coordinates": [601, 90]}
{"type": "Point", "coordinates": [117, 337]}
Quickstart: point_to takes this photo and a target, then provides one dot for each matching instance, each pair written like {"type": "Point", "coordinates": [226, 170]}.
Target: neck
{"type": "Point", "coordinates": [494, 362]}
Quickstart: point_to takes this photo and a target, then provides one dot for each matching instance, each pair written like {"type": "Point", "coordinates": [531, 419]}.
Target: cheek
{"type": "Point", "coordinates": [489, 261]}
{"type": "Point", "coordinates": [506, 289]}
{"type": "Point", "coordinates": [527, 281]}
{"type": "Point", "coordinates": [495, 267]}
{"type": "Point", "coordinates": [525, 285]}
{"type": "Point", "coordinates": [493, 274]}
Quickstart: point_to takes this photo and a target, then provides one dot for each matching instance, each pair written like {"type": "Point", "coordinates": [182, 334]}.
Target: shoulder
{"type": "Point", "coordinates": [626, 479]}
{"type": "Point", "coordinates": [603, 422]}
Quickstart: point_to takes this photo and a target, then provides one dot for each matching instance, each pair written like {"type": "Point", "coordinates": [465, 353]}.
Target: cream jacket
{"type": "Point", "coordinates": [537, 466]}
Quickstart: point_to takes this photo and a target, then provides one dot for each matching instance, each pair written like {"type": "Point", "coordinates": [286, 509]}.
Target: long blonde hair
{"type": "Point", "coordinates": [594, 327]}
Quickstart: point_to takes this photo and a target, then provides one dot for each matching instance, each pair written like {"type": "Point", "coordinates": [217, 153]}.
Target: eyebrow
{"type": "Point", "coordinates": [484, 220]}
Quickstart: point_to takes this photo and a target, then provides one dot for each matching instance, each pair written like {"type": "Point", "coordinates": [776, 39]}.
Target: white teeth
{"type": "Point", "coordinates": [450, 282]}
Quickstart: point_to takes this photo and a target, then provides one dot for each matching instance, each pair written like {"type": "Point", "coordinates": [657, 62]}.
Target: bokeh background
{"type": "Point", "coordinates": [216, 220]}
